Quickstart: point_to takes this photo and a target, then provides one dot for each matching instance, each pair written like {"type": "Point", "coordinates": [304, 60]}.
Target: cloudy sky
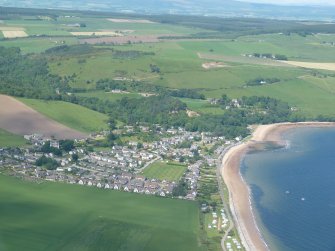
{"type": "Point", "coordinates": [294, 2]}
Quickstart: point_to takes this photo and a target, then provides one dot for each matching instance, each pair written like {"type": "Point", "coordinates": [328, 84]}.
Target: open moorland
{"type": "Point", "coordinates": [67, 217]}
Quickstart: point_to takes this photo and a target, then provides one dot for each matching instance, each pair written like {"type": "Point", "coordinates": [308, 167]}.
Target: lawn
{"type": "Point", "coordinates": [54, 216]}
{"type": "Point", "coordinates": [164, 171]}
{"type": "Point", "coordinates": [71, 115]}
{"type": "Point", "coordinates": [10, 140]}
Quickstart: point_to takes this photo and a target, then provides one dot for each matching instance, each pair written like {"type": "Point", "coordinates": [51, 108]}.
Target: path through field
{"type": "Point", "coordinates": [17, 118]}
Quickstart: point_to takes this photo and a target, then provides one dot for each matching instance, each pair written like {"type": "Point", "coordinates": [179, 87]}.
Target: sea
{"type": "Point", "coordinates": [293, 191]}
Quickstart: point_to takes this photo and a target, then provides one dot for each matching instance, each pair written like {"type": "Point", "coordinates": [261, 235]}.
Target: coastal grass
{"type": "Point", "coordinates": [161, 170]}
{"type": "Point", "coordinates": [8, 139]}
{"type": "Point", "coordinates": [54, 216]}
{"type": "Point", "coordinates": [74, 116]}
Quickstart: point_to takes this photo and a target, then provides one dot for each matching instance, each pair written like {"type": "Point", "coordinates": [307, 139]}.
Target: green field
{"type": "Point", "coordinates": [71, 115]}
{"type": "Point", "coordinates": [181, 68]}
{"type": "Point", "coordinates": [202, 106]}
{"type": "Point", "coordinates": [10, 140]}
{"type": "Point", "coordinates": [108, 96]}
{"type": "Point", "coordinates": [37, 45]}
{"type": "Point", "coordinates": [180, 65]}
{"type": "Point", "coordinates": [51, 216]}
{"type": "Point", "coordinates": [164, 171]}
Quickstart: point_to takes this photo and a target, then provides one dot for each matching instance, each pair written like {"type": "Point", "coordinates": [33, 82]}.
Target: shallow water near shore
{"type": "Point", "coordinates": [293, 191]}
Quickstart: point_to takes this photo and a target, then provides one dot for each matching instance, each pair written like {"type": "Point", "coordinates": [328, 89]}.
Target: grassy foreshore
{"type": "Point", "coordinates": [239, 193]}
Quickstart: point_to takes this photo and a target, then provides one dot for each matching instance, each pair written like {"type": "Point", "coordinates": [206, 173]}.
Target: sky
{"type": "Point", "coordinates": [293, 2]}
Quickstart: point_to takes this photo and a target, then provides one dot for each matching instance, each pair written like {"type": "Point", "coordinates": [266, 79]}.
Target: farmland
{"type": "Point", "coordinates": [164, 171]}
{"type": "Point", "coordinates": [20, 119]}
{"type": "Point", "coordinates": [179, 61]}
{"type": "Point", "coordinates": [73, 116]}
{"type": "Point", "coordinates": [68, 217]}
{"type": "Point", "coordinates": [155, 76]}
{"type": "Point", "coordinates": [181, 68]}
{"type": "Point", "coordinates": [9, 140]}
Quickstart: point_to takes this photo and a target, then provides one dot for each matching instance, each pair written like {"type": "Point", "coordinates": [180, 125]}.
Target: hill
{"type": "Point", "coordinates": [20, 119]}
{"type": "Point", "coordinates": [71, 115]}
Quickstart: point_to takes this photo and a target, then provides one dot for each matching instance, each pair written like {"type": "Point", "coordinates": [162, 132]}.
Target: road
{"type": "Point", "coordinates": [147, 164]}
{"type": "Point", "coordinates": [221, 192]}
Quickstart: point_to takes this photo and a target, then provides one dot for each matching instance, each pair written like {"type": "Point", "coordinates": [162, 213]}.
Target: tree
{"type": "Point", "coordinates": [180, 189]}
{"type": "Point", "coordinates": [112, 124]}
{"type": "Point", "coordinates": [66, 145]}
{"type": "Point", "coordinates": [46, 162]}
{"type": "Point", "coordinates": [75, 157]}
{"type": "Point", "coordinates": [224, 100]}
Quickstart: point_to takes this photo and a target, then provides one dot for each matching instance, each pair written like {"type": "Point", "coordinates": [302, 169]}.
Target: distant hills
{"type": "Point", "coordinates": [220, 8]}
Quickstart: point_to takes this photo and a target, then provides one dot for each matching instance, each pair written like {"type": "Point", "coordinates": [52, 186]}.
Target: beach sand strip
{"type": "Point", "coordinates": [239, 192]}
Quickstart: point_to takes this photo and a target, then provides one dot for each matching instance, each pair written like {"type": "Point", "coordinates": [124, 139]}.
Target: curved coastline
{"type": "Point", "coordinates": [239, 192]}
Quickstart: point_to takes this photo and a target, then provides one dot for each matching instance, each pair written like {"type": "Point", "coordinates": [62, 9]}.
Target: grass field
{"type": "Point", "coordinates": [108, 96]}
{"type": "Point", "coordinates": [202, 106]}
{"type": "Point", "coordinates": [53, 216]}
{"type": "Point", "coordinates": [180, 65]}
{"type": "Point", "coordinates": [36, 45]}
{"type": "Point", "coordinates": [164, 171]}
{"type": "Point", "coordinates": [10, 140]}
{"type": "Point", "coordinates": [181, 68]}
{"type": "Point", "coordinates": [71, 115]}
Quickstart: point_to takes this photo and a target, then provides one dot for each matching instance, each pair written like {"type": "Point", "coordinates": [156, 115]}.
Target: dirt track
{"type": "Point", "coordinates": [17, 118]}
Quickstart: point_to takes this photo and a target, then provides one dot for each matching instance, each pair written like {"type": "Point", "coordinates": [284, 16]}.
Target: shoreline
{"type": "Point", "coordinates": [240, 200]}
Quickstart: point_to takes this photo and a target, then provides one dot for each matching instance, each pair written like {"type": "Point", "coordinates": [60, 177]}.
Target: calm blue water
{"type": "Point", "coordinates": [293, 191]}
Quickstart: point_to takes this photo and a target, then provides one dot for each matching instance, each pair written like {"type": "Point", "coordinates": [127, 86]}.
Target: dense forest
{"type": "Point", "coordinates": [27, 75]}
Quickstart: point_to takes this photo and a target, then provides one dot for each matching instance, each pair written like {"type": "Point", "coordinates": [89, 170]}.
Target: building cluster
{"type": "Point", "coordinates": [120, 167]}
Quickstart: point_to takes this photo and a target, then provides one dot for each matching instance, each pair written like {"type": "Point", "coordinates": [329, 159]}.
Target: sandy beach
{"type": "Point", "coordinates": [239, 194]}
